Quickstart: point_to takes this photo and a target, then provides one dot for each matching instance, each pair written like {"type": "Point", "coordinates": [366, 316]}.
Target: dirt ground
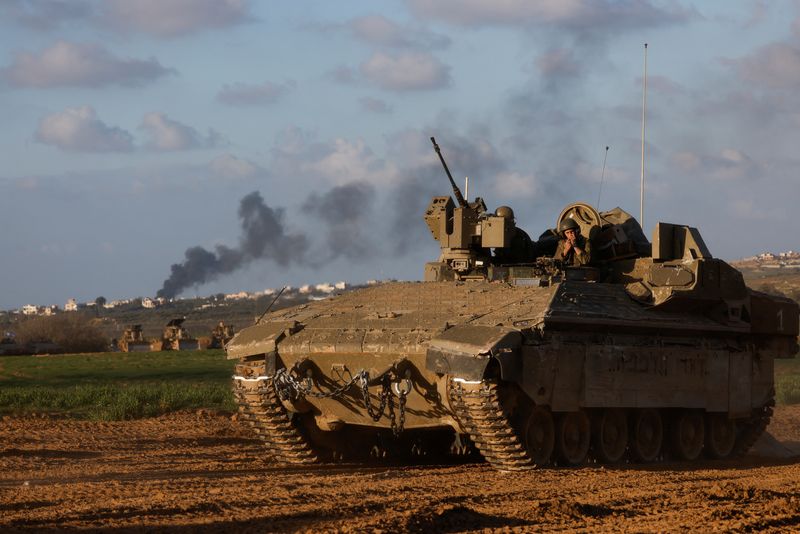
{"type": "Point", "coordinates": [190, 472]}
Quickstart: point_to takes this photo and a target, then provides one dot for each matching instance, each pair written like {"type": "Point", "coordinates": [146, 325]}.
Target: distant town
{"type": "Point", "coordinates": [767, 260]}
{"type": "Point", "coordinates": [309, 291]}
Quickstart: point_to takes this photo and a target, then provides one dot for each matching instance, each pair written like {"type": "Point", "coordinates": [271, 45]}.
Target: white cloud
{"type": "Point", "coordinates": [569, 14]}
{"type": "Point", "coordinates": [167, 134]}
{"type": "Point", "coordinates": [230, 167]}
{"type": "Point", "coordinates": [406, 71]}
{"type": "Point", "coordinates": [171, 18]}
{"type": "Point", "coordinates": [377, 30]}
{"type": "Point", "coordinates": [66, 64]}
{"type": "Point", "coordinates": [776, 66]}
{"type": "Point", "coordinates": [79, 129]}
{"type": "Point", "coordinates": [511, 185]}
{"type": "Point", "coordinates": [352, 161]}
{"type": "Point", "coordinates": [241, 94]}
{"type": "Point", "coordinates": [296, 154]}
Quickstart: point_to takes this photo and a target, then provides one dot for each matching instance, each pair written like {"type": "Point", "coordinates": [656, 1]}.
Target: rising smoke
{"type": "Point", "coordinates": [343, 211]}
{"type": "Point", "coordinates": [263, 236]}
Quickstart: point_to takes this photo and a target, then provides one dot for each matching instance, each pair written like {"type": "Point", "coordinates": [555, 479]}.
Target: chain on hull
{"type": "Point", "coordinates": [261, 409]}
{"type": "Point", "coordinates": [478, 407]}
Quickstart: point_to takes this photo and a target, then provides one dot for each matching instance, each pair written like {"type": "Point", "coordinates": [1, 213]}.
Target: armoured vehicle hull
{"type": "Point", "coordinates": [530, 374]}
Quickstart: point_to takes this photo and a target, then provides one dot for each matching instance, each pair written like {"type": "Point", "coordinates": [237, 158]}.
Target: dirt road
{"type": "Point", "coordinates": [196, 471]}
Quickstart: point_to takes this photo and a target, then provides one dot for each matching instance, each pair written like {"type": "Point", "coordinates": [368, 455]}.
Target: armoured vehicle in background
{"type": "Point", "coordinates": [656, 350]}
{"type": "Point", "coordinates": [175, 337]}
{"type": "Point", "coordinates": [220, 335]}
{"type": "Point", "coordinates": [133, 340]}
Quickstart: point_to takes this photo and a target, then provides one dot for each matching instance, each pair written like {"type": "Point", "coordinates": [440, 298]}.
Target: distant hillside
{"type": "Point", "coordinates": [777, 274]}
{"type": "Point", "coordinates": [202, 314]}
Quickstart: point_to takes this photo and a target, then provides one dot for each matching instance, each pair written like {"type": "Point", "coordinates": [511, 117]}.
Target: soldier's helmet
{"type": "Point", "coordinates": [568, 224]}
{"type": "Point", "coordinates": [505, 212]}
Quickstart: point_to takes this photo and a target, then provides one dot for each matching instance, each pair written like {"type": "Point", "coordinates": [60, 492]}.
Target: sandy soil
{"type": "Point", "coordinates": [204, 472]}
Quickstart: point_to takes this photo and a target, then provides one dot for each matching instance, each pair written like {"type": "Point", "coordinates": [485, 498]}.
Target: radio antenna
{"type": "Point", "coordinates": [644, 108]}
{"type": "Point", "coordinates": [602, 176]}
{"type": "Point", "coordinates": [271, 304]}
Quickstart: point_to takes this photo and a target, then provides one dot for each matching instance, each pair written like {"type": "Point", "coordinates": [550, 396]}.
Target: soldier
{"type": "Point", "coordinates": [521, 249]}
{"type": "Point", "coordinates": [573, 248]}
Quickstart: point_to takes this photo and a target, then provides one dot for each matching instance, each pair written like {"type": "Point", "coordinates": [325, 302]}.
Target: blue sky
{"type": "Point", "coordinates": [134, 132]}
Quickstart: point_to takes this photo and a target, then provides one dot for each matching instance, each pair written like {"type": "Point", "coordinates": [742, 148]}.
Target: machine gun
{"type": "Point", "coordinates": [462, 203]}
{"type": "Point", "coordinates": [466, 234]}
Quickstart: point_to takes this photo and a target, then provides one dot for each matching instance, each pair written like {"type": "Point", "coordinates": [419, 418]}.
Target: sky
{"type": "Point", "coordinates": [190, 147]}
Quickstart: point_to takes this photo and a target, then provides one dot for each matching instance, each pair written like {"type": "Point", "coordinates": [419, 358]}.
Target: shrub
{"type": "Point", "coordinates": [72, 332]}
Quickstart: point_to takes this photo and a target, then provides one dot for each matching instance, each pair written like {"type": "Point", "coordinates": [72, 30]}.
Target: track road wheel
{"type": "Point", "coordinates": [688, 434]}
{"type": "Point", "coordinates": [610, 435]}
{"type": "Point", "coordinates": [573, 433]}
{"type": "Point", "coordinates": [647, 432]}
{"type": "Point", "coordinates": [540, 436]}
{"type": "Point", "coordinates": [720, 435]}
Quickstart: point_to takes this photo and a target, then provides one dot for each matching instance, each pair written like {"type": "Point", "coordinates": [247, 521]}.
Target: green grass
{"type": "Point", "coordinates": [117, 385]}
{"type": "Point", "coordinates": [787, 381]}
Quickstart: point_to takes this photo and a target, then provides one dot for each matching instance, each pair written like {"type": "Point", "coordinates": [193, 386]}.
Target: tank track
{"type": "Point", "coordinates": [753, 429]}
{"type": "Point", "coordinates": [262, 410]}
{"type": "Point", "coordinates": [481, 414]}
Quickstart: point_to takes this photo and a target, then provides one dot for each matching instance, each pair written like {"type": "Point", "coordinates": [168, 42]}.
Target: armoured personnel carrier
{"type": "Point", "coordinates": [175, 337]}
{"type": "Point", "coordinates": [656, 349]}
{"type": "Point", "coordinates": [220, 335]}
{"type": "Point", "coordinates": [133, 340]}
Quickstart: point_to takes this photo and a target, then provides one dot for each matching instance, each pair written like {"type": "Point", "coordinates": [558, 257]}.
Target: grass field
{"type": "Point", "coordinates": [787, 381]}
{"type": "Point", "coordinates": [116, 385]}
{"type": "Point", "coordinates": [119, 385]}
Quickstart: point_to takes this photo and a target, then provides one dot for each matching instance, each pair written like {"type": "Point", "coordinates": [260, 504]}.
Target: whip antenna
{"type": "Point", "coordinates": [272, 303]}
{"type": "Point", "coordinates": [602, 176]}
{"type": "Point", "coordinates": [644, 107]}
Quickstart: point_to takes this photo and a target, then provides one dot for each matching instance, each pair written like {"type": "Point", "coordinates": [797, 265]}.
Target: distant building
{"type": "Point", "coordinates": [147, 302]}
{"type": "Point", "coordinates": [71, 305]}
{"type": "Point", "coordinates": [324, 288]}
{"type": "Point", "coordinates": [30, 309]}
{"type": "Point", "coordinates": [304, 290]}
{"type": "Point", "coordinates": [237, 296]}
{"type": "Point", "coordinates": [340, 285]}
{"type": "Point", "coordinates": [50, 310]}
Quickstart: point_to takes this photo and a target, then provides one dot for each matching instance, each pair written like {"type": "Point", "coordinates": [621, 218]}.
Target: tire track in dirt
{"type": "Point", "coordinates": [206, 472]}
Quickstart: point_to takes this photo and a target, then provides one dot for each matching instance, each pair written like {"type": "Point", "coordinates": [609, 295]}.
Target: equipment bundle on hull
{"type": "Point", "coordinates": [515, 350]}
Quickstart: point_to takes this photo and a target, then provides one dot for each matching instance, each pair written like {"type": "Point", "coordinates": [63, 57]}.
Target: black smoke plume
{"type": "Point", "coordinates": [344, 211]}
{"type": "Point", "coordinates": [263, 236]}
